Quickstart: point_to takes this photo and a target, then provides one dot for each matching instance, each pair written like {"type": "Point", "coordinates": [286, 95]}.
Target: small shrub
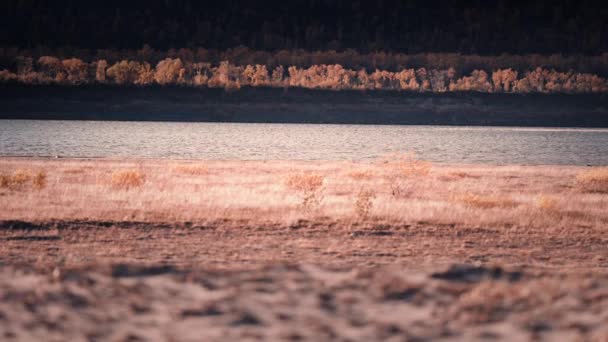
{"type": "Point", "coordinates": [309, 186]}
{"type": "Point", "coordinates": [127, 179]}
{"type": "Point", "coordinates": [594, 180]}
{"type": "Point", "coordinates": [487, 202]}
{"type": "Point", "coordinates": [364, 203]}
{"type": "Point", "coordinates": [193, 170]}
{"type": "Point", "coordinates": [20, 178]}
{"type": "Point", "coordinates": [546, 203]}
{"type": "Point", "coordinates": [5, 181]}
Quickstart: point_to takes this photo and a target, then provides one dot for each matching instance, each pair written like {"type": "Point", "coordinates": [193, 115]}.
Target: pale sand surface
{"type": "Point", "coordinates": [224, 250]}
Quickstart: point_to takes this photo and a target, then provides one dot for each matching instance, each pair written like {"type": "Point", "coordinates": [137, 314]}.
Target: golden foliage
{"type": "Point", "coordinates": [127, 179]}
{"type": "Point", "coordinates": [594, 180]}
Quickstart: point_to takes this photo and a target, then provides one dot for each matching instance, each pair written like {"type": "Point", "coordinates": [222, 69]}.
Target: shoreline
{"type": "Point", "coordinates": [298, 105]}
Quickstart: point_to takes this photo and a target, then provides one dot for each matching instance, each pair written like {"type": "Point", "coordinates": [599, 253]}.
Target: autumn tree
{"type": "Point", "coordinates": [170, 71]}
{"type": "Point", "coordinates": [124, 72]}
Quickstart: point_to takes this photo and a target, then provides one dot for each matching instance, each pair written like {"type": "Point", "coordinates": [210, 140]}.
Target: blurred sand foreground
{"type": "Point", "coordinates": [391, 249]}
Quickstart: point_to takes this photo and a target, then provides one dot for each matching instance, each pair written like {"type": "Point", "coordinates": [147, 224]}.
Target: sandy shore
{"type": "Point", "coordinates": [394, 249]}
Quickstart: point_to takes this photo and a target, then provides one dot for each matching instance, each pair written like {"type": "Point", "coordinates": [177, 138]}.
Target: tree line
{"type": "Point", "coordinates": [230, 76]}
{"type": "Point", "coordinates": [350, 59]}
{"type": "Point", "coordinates": [408, 26]}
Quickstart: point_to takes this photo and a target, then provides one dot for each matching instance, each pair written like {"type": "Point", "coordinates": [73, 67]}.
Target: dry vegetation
{"type": "Point", "coordinates": [594, 180]}
{"type": "Point", "coordinates": [398, 188]}
{"type": "Point", "coordinates": [486, 201]}
{"type": "Point", "coordinates": [236, 255]}
{"type": "Point", "coordinates": [20, 179]}
{"type": "Point", "coordinates": [403, 170]}
{"type": "Point", "coordinates": [309, 186]}
{"type": "Point", "coordinates": [191, 169]}
{"type": "Point", "coordinates": [364, 203]}
{"type": "Point", "coordinates": [127, 179]}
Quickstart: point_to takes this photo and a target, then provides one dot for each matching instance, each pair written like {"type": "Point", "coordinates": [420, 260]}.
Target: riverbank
{"type": "Point", "coordinates": [298, 105]}
{"type": "Point", "coordinates": [123, 248]}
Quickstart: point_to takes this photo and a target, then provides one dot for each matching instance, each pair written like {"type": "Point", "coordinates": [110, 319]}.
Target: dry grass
{"type": "Point", "coordinates": [402, 170]}
{"type": "Point", "coordinates": [271, 192]}
{"type": "Point", "coordinates": [74, 170]}
{"type": "Point", "coordinates": [407, 165]}
{"type": "Point", "coordinates": [486, 201]}
{"type": "Point", "coordinates": [192, 170]}
{"type": "Point", "coordinates": [546, 203]}
{"type": "Point", "coordinates": [594, 180]}
{"type": "Point", "coordinates": [20, 179]}
{"type": "Point", "coordinates": [127, 179]}
{"type": "Point", "coordinates": [364, 202]}
{"type": "Point", "coordinates": [309, 186]}
{"type": "Point", "coordinates": [361, 174]}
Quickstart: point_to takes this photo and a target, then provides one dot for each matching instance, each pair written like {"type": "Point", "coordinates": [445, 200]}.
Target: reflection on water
{"type": "Point", "coordinates": [296, 141]}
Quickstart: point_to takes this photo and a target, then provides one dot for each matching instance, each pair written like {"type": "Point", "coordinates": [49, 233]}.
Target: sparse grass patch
{"type": "Point", "coordinates": [402, 169]}
{"type": "Point", "coordinates": [21, 177]}
{"type": "Point", "coordinates": [594, 180]}
{"type": "Point", "coordinates": [407, 165]}
{"type": "Point", "coordinates": [486, 201]}
{"type": "Point", "coordinates": [193, 170]}
{"type": "Point", "coordinates": [309, 186]}
{"type": "Point", "coordinates": [461, 174]}
{"type": "Point", "coordinates": [361, 174]}
{"type": "Point", "coordinates": [74, 171]}
{"type": "Point", "coordinates": [39, 180]}
{"type": "Point", "coordinates": [364, 202]}
{"type": "Point", "coordinates": [127, 179]}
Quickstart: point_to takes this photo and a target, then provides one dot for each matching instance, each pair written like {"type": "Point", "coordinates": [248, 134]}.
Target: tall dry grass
{"type": "Point", "coordinates": [594, 180]}
{"type": "Point", "coordinates": [403, 169]}
{"type": "Point", "coordinates": [272, 191]}
{"type": "Point", "coordinates": [190, 169]}
{"type": "Point", "coordinates": [546, 203]}
{"type": "Point", "coordinates": [486, 201]}
{"type": "Point", "coordinates": [21, 178]}
{"type": "Point", "coordinates": [309, 186]}
{"type": "Point", "coordinates": [364, 203]}
{"type": "Point", "coordinates": [127, 179]}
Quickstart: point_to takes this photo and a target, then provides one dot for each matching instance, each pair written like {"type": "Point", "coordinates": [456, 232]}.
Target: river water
{"type": "Point", "coordinates": [245, 141]}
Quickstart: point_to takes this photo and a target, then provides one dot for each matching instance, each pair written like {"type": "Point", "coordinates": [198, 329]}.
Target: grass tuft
{"type": "Point", "coordinates": [20, 179]}
{"type": "Point", "coordinates": [309, 186]}
{"type": "Point", "coordinates": [127, 179]}
{"type": "Point", "coordinates": [594, 180]}
{"type": "Point", "coordinates": [402, 169]}
{"type": "Point", "coordinates": [364, 202]}
{"type": "Point", "coordinates": [546, 203]}
{"type": "Point", "coordinates": [193, 170]}
{"type": "Point", "coordinates": [361, 174]}
{"type": "Point", "coordinates": [486, 201]}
